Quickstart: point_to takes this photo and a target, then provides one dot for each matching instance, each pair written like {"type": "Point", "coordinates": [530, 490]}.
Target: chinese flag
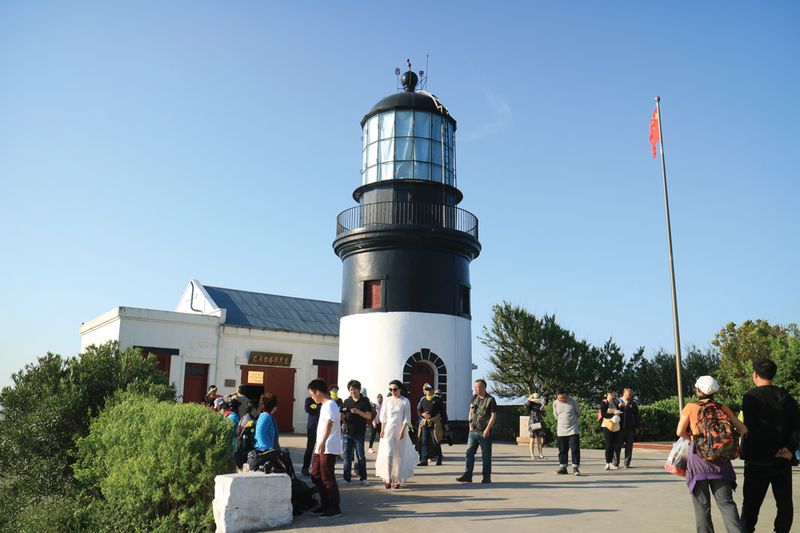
{"type": "Point", "coordinates": [655, 136]}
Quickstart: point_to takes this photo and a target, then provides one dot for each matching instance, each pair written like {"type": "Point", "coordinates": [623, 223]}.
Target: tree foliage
{"type": "Point", "coordinates": [536, 354]}
{"type": "Point", "coordinates": [654, 378]}
{"type": "Point", "coordinates": [48, 407]}
{"type": "Point", "coordinates": [738, 346]}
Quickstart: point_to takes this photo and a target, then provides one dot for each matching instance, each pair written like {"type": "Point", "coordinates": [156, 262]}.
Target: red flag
{"type": "Point", "coordinates": [655, 133]}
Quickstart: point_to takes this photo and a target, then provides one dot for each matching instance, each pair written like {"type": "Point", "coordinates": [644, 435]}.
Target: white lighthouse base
{"type": "Point", "coordinates": [374, 348]}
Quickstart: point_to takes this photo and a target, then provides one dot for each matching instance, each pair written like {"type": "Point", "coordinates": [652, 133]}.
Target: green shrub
{"type": "Point", "coordinates": [659, 420]}
{"type": "Point", "coordinates": [152, 464]}
{"type": "Point", "coordinates": [591, 435]}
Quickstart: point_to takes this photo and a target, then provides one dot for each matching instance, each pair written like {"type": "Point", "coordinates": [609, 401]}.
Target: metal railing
{"type": "Point", "coordinates": [426, 215]}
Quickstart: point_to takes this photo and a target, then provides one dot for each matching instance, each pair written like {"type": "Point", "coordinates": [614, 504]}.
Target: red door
{"type": "Point", "coordinates": [421, 373]}
{"type": "Point", "coordinates": [328, 373]}
{"type": "Point", "coordinates": [280, 382]}
{"type": "Point", "coordinates": [195, 380]}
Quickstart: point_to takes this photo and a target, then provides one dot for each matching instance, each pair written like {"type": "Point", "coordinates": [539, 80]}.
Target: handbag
{"type": "Point", "coordinates": [536, 425]}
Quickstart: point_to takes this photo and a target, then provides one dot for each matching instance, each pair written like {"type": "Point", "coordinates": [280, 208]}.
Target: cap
{"type": "Point", "coordinates": [707, 385]}
{"type": "Point", "coordinates": [427, 386]}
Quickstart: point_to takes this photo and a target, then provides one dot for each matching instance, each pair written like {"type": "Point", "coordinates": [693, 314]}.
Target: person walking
{"type": "Point", "coordinates": [703, 475]}
{"type": "Point", "coordinates": [376, 421]}
{"type": "Point", "coordinates": [567, 412]}
{"type": "Point", "coordinates": [772, 419]}
{"type": "Point", "coordinates": [327, 447]}
{"type": "Point", "coordinates": [396, 455]}
{"type": "Point", "coordinates": [629, 426]}
{"type": "Point", "coordinates": [535, 408]}
{"type": "Point", "coordinates": [312, 408]}
{"type": "Point", "coordinates": [609, 415]}
{"type": "Point", "coordinates": [430, 426]}
{"type": "Point", "coordinates": [357, 411]}
{"type": "Point", "coordinates": [482, 415]}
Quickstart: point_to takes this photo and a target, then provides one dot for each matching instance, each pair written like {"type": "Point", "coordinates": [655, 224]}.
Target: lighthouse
{"type": "Point", "coordinates": [406, 250]}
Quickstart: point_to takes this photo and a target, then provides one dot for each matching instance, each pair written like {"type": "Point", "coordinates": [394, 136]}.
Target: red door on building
{"type": "Point", "coordinates": [328, 371]}
{"type": "Point", "coordinates": [280, 382]}
{"type": "Point", "coordinates": [421, 373]}
{"type": "Point", "coordinates": [195, 380]}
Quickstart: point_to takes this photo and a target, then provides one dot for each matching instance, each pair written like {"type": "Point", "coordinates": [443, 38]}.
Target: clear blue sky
{"type": "Point", "coordinates": [143, 144]}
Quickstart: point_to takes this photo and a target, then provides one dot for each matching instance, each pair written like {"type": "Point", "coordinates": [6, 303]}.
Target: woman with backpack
{"type": "Point", "coordinates": [712, 429]}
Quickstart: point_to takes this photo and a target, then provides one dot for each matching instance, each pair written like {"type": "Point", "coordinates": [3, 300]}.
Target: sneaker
{"type": "Point", "coordinates": [422, 463]}
{"type": "Point", "coordinates": [541, 456]}
{"type": "Point", "coordinates": [331, 512]}
{"type": "Point", "coordinates": [607, 467]}
{"type": "Point", "coordinates": [346, 480]}
{"type": "Point", "coordinates": [486, 480]}
{"type": "Point", "coordinates": [576, 471]}
{"type": "Point", "coordinates": [562, 470]}
{"type": "Point", "coordinates": [363, 482]}
{"type": "Point", "coordinates": [614, 467]}
{"type": "Point", "coordinates": [371, 450]}
{"type": "Point", "coordinates": [464, 479]}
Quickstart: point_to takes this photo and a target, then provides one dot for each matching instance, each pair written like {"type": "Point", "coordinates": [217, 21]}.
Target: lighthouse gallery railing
{"type": "Point", "coordinates": [433, 216]}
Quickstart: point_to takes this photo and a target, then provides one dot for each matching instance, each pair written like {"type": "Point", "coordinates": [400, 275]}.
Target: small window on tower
{"type": "Point", "coordinates": [372, 294]}
{"type": "Point", "coordinates": [464, 299]}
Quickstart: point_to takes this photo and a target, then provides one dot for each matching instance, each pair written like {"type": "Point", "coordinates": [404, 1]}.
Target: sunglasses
{"type": "Point", "coordinates": [393, 389]}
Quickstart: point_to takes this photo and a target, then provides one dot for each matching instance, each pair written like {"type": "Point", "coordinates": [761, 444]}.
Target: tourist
{"type": "Point", "coordinates": [609, 415]}
{"type": "Point", "coordinates": [246, 425]}
{"type": "Point", "coordinates": [446, 428]}
{"type": "Point", "coordinates": [376, 421]}
{"type": "Point", "coordinates": [536, 412]}
{"type": "Point", "coordinates": [773, 429]}
{"type": "Point", "coordinates": [266, 426]}
{"type": "Point", "coordinates": [312, 408]}
{"type": "Point", "coordinates": [357, 411]}
{"type": "Point", "coordinates": [241, 400]}
{"type": "Point", "coordinates": [629, 426]}
{"type": "Point", "coordinates": [327, 447]}
{"type": "Point", "coordinates": [703, 475]}
{"type": "Point", "coordinates": [430, 426]}
{"type": "Point", "coordinates": [396, 455]}
{"type": "Point", "coordinates": [211, 396]}
{"type": "Point", "coordinates": [567, 412]}
{"type": "Point", "coordinates": [232, 413]}
{"type": "Point", "coordinates": [482, 415]}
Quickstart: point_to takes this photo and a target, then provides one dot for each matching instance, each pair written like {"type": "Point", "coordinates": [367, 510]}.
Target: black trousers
{"type": "Point", "coordinates": [626, 440]}
{"type": "Point", "coordinates": [573, 444]}
{"type": "Point", "coordinates": [311, 440]}
{"type": "Point", "coordinates": [757, 479]}
{"type": "Point", "coordinates": [613, 444]}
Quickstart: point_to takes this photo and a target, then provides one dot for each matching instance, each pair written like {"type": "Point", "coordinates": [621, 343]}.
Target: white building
{"type": "Point", "coordinates": [228, 337]}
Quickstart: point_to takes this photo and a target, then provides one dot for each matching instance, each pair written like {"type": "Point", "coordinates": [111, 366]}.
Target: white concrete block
{"type": "Point", "coordinates": [253, 501]}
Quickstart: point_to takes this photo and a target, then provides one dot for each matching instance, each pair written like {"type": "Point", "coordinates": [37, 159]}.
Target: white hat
{"type": "Point", "coordinates": [707, 385]}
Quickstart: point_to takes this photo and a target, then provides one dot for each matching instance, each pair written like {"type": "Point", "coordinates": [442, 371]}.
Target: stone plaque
{"type": "Point", "coordinates": [255, 377]}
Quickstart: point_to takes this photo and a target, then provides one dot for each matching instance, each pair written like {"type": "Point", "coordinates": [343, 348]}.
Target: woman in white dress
{"type": "Point", "coordinates": [396, 455]}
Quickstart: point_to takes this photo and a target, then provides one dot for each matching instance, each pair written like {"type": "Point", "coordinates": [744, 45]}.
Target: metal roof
{"type": "Point", "coordinates": [274, 312]}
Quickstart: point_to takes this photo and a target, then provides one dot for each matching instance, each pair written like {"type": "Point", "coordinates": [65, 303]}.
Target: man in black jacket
{"type": "Point", "coordinates": [773, 429]}
{"type": "Point", "coordinates": [629, 426]}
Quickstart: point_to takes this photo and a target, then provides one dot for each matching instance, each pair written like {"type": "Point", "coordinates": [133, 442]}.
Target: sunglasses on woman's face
{"type": "Point", "coordinates": [393, 389]}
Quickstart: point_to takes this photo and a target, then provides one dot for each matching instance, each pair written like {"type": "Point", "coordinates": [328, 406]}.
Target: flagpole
{"type": "Point", "coordinates": [676, 328]}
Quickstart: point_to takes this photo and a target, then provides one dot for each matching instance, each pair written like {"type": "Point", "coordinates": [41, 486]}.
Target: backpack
{"type": "Point", "coordinates": [717, 440]}
{"type": "Point", "coordinates": [247, 437]}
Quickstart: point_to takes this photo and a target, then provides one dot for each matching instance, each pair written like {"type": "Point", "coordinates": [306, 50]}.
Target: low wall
{"type": "Point", "coordinates": [253, 501]}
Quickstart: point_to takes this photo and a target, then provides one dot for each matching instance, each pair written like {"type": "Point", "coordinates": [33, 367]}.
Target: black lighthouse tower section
{"type": "Point", "coordinates": [406, 246]}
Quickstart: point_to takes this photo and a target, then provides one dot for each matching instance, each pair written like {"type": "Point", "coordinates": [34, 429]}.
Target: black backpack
{"type": "Point", "coordinates": [246, 440]}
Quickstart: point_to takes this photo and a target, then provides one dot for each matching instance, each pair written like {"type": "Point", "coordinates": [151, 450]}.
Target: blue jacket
{"type": "Point", "coordinates": [266, 431]}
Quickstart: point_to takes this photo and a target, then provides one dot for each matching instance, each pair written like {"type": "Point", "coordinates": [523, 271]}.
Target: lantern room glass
{"type": "Point", "coordinates": [407, 144]}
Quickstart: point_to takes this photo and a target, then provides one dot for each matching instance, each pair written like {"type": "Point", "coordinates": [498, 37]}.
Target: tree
{"type": "Point", "coordinates": [654, 378]}
{"type": "Point", "coordinates": [536, 354]}
{"type": "Point", "coordinates": [739, 346]}
{"type": "Point", "coordinates": [51, 405]}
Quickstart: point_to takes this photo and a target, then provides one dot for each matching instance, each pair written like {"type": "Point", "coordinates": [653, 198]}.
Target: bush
{"type": "Point", "coordinates": [150, 466]}
{"type": "Point", "coordinates": [49, 406]}
{"type": "Point", "coordinates": [659, 419]}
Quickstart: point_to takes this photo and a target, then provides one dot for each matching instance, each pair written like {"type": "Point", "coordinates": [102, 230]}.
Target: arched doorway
{"type": "Point", "coordinates": [424, 367]}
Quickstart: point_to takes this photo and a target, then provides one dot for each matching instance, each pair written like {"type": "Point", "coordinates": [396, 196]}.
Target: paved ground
{"type": "Point", "coordinates": [526, 496]}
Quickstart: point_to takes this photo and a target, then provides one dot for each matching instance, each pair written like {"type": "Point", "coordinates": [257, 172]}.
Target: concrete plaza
{"type": "Point", "coordinates": [526, 495]}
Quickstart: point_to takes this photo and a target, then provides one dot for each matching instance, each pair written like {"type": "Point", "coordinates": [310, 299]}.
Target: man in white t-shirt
{"type": "Point", "coordinates": [327, 447]}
